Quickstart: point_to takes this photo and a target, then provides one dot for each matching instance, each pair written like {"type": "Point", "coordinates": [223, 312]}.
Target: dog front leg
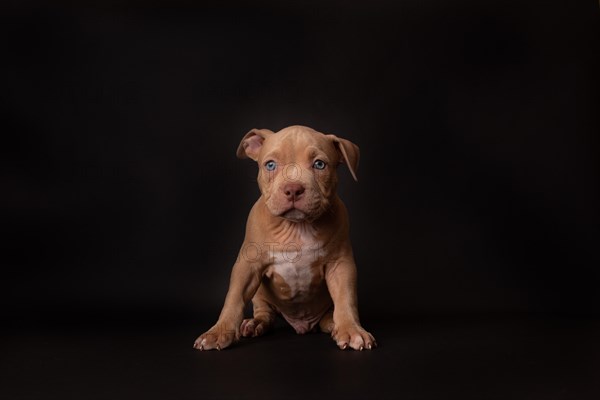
{"type": "Point", "coordinates": [347, 331]}
{"type": "Point", "coordinates": [244, 282]}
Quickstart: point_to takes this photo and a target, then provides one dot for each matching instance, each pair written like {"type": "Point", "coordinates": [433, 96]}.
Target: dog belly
{"type": "Point", "coordinates": [305, 324]}
{"type": "Point", "coordinates": [298, 293]}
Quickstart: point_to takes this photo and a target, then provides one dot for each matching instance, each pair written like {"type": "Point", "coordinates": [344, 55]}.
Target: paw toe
{"type": "Point", "coordinates": [248, 328]}
{"type": "Point", "coordinates": [357, 343]}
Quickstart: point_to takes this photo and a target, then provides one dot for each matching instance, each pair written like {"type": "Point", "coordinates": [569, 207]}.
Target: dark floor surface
{"type": "Point", "coordinates": [497, 357]}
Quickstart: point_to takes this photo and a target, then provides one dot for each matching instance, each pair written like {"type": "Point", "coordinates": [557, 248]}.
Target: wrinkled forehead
{"type": "Point", "coordinates": [296, 145]}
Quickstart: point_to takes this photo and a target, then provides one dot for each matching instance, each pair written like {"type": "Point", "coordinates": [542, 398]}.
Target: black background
{"type": "Point", "coordinates": [123, 202]}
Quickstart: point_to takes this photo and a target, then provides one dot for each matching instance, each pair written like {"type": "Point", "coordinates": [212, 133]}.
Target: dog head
{"type": "Point", "coordinates": [297, 169]}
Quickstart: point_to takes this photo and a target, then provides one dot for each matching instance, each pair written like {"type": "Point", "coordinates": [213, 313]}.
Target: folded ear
{"type": "Point", "coordinates": [252, 142]}
{"type": "Point", "coordinates": [350, 153]}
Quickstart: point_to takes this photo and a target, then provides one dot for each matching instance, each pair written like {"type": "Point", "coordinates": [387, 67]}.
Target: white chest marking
{"type": "Point", "coordinates": [294, 263]}
{"type": "Point", "coordinates": [297, 276]}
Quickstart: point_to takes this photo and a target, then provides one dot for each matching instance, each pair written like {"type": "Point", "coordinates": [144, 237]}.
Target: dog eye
{"type": "Point", "coordinates": [319, 164]}
{"type": "Point", "coordinates": [270, 165]}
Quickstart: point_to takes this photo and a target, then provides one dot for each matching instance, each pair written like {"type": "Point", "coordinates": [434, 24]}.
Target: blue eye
{"type": "Point", "coordinates": [319, 164]}
{"type": "Point", "coordinates": [270, 165]}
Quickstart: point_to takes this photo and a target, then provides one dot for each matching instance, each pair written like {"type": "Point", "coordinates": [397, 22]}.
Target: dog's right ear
{"type": "Point", "coordinates": [252, 142]}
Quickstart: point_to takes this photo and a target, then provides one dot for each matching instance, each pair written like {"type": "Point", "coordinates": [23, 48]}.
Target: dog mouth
{"type": "Point", "coordinates": [294, 214]}
{"type": "Point", "coordinates": [306, 209]}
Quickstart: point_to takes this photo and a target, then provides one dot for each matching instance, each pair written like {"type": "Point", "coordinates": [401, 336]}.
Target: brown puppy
{"type": "Point", "coordinates": [296, 259]}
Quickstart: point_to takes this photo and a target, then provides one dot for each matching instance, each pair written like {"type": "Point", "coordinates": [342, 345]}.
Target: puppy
{"type": "Point", "coordinates": [296, 259]}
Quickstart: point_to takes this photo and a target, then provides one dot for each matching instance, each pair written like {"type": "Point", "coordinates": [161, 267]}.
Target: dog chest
{"type": "Point", "coordinates": [294, 271]}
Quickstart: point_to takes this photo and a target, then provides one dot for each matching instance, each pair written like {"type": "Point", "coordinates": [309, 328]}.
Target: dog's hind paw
{"type": "Point", "coordinates": [253, 327]}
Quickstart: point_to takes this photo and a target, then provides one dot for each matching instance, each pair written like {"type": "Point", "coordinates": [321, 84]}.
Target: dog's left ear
{"type": "Point", "coordinates": [350, 153]}
{"type": "Point", "coordinates": [252, 142]}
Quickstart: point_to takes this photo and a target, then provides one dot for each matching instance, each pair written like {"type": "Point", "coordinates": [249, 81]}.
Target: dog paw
{"type": "Point", "coordinates": [253, 327]}
{"type": "Point", "coordinates": [218, 337]}
{"type": "Point", "coordinates": [353, 336]}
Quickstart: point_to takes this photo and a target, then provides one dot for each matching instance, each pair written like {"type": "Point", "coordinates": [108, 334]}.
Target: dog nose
{"type": "Point", "coordinates": [293, 191]}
